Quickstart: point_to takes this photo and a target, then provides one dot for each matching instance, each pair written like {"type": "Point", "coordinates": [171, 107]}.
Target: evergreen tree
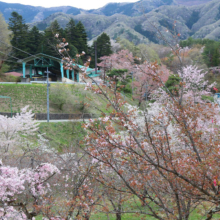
{"type": "Point", "coordinates": [35, 41]}
{"type": "Point", "coordinates": [71, 34]}
{"type": "Point", "coordinates": [216, 57]}
{"type": "Point", "coordinates": [103, 46]}
{"type": "Point", "coordinates": [19, 34]}
{"type": "Point", "coordinates": [76, 36]}
{"type": "Point", "coordinates": [211, 53]}
{"type": "Point", "coordinates": [49, 42]}
{"type": "Point", "coordinates": [81, 38]}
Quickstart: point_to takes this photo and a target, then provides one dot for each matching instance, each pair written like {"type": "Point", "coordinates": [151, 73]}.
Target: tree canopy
{"type": "Point", "coordinates": [5, 45]}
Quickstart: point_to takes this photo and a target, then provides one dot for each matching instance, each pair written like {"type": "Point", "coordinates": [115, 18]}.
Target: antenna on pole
{"type": "Point", "coordinates": [48, 105]}
{"type": "Point", "coordinates": [95, 58]}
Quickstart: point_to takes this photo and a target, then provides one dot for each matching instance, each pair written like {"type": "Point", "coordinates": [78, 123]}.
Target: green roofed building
{"type": "Point", "coordinates": [35, 67]}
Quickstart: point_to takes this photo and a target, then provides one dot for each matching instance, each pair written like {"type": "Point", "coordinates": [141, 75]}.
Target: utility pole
{"type": "Point", "coordinates": [95, 58]}
{"type": "Point", "coordinates": [48, 105]}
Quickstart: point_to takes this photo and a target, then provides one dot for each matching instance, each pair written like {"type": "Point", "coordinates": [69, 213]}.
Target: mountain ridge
{"type": "Point", "coordinates": [38, 13]}
{"type": "Point", "coordinates": [198, 21]}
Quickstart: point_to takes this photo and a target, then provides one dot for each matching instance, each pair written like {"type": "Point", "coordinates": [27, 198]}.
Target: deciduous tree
{"type": "Point", "coordinates": [5, 41]}
{"type": "Point", "coordinates": [167, 157]}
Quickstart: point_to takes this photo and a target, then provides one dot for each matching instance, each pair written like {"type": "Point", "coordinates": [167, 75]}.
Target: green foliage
{"type": "Point", "coordinates": [81, 38]}
{"type": "Point", "coordinates": [103, 46]}
{"type": "Point", "coordinates": [35, 95]}
{"type": "Point", "coordinates": [34, 41]}
{"type": "Point", "coordinates": [122, 79]}
{"type": "Point", "coordinates": [5, 47]}
{"type": "Point", "coordinates": [19, 35]}
{"type": "Point", "coordinates": [49, 42]}
{"type": "Point", "coordinates": [76, 35]}
{"type": "Point", "coordinates": [172, 82]}
{"type": "Point", "coordinates": [61, 134]}
{"type": "Point", "coordinates": [190, 42]}
{"type": "Point", "coordinates": [128, 45]}
{"type": "Point", "coordinates": [70, 31]}
{"type": "Point", "coordinates": [13, 79]}
{"type": "Point", "coordinates": [4, 68]}
{"type": "Point", "coordinates": [210, 98]}
{"type": "Point", "coordinates": [211, 54]}
{"type": "Point", "coordinates": [147, 52]}
{"type": "Point", "coordinates": [60, 94]}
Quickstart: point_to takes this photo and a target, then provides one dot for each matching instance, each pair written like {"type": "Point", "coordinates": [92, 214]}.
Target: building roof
{"type": "Point", "coordinates": [13, 74]}
{"type": "Point", "coordinates": [39, 55]}
{"type": "Point", "coordinates": [75, 66]}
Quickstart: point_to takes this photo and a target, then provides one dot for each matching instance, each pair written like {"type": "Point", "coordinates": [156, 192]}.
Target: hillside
{"type": "Point", "coordinates": [191, 2]}
{"type": "Point", "coordinates": [33, 14]}
{"type": "Point", "coordinates": [35, 95]}
{"type": "Point", "coordinates": [200, 21]}
{"type": "Point", "coordinates": [126, 20]}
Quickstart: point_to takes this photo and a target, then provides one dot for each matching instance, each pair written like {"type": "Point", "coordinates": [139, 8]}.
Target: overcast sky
{"type": "Point", "coordinates": [84, 4]}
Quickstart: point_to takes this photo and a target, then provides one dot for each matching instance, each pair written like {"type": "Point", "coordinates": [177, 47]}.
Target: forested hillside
{"type": "Point", "coordinates": [199, 21]}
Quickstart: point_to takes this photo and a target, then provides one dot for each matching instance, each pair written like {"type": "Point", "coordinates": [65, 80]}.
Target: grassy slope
{"type": "Point", "coordinates": [35, 96]}
{"type": "Point", "coordinates": [62, 134]}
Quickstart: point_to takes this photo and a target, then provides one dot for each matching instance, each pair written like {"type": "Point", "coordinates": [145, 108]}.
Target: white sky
{"type": "Point", "coordinates": [84, 4]}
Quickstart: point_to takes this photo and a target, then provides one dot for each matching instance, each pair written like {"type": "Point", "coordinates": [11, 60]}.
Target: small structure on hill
{"type": "Point", "coordinates": [35, 68]}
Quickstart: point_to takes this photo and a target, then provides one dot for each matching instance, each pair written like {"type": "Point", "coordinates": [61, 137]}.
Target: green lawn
{"type": "Point", "coordinates": [35, 95]}
{"type": "Point", "coordinates": [62, 134]}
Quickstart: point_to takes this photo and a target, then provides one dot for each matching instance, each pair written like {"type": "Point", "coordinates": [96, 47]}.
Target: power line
{"type": "Point", "coordinates": [10, 55]}
{"type": "Point", "coordinates": [21, 51]}
{"type": "Point", "coordinates": [11, 61]}
{"type": "Point", "coordinates": [16, 48]}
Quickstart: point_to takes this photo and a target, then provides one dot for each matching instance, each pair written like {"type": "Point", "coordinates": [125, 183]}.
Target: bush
{"type": "Point", "coordinates": [172, 83]}
{"type": "Point", "coordinates": [210, 98]}
{"type": "Point", "coordinates": [12, 79]}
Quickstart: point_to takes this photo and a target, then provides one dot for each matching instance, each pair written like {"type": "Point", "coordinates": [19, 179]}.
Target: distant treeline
{"type": "Point", "coordinates": [211, 50]}
{"type": "Point", "coordinates": [34, 41]}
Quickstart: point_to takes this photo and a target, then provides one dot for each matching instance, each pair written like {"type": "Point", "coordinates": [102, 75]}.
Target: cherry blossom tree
{"type": "Point", "coordinates": [144, 81]}
{"type": "Point", "coordinates": [167, 155]}
{"type": "Point", "coordinates": [20, 188]}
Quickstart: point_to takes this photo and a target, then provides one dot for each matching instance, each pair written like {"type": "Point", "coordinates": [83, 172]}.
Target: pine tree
{"type": "Point", "coordinates": [49, 42]}
{"type": "Point", "coordinates": [70, 31]}
{"type": "Point", "coordinates": [81, 38]}
{"type": "Point", "coordinates": [34, 41]}
{"type": "Point", "coordinates": [19, 34]}
{"type": "Point", "coordinates": [103, 45]}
